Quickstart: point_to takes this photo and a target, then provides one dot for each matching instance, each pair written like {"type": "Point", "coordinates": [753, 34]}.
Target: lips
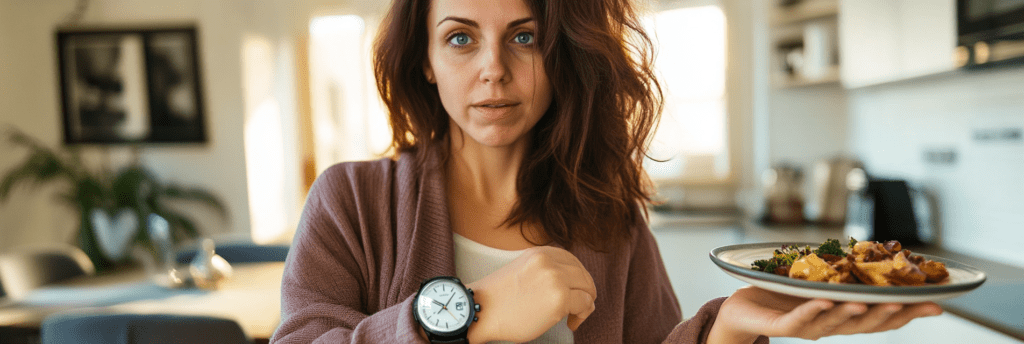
{"type": "Point", "coordinates": [495, 109]}
{"type": "Point", "coordinates": [496, 103]}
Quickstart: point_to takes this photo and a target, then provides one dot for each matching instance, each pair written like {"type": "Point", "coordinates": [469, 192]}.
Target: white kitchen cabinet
{"type": "Point", "coordinates": [888, 40]}
{"type": "Point", "coordinates": [803, 36]}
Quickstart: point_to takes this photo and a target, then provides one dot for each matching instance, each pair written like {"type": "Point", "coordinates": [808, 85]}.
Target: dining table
{"type": "Point", "coordinates": [251, 296]}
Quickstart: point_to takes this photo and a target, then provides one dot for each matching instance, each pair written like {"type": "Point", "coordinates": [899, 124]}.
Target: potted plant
{"type": "Point", "coordinates": [113, 208]}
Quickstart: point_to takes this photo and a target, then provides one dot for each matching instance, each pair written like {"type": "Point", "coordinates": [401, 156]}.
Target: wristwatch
{"type": "Point", "coordinates": [444, 307]}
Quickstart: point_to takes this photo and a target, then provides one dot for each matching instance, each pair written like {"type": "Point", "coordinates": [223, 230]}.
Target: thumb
{"type": "Point", "coordinates": [581, 305]}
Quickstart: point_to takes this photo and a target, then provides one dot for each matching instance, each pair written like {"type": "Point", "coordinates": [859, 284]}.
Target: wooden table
{"type": "Point", "coordinates": [251, 297]}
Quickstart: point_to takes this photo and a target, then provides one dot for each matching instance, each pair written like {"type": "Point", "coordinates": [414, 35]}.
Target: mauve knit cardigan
{"type": "Point", "coordinates": [372, 231]}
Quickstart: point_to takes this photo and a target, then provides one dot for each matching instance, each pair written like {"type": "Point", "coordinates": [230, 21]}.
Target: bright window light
{"type": "Point", "coordinates": [690, 63]}
{"type": "Point", "coordinates": [348, 118]}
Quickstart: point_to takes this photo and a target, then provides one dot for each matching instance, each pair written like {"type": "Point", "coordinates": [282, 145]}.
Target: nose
{"type": "Point", "coordinates": [494, 66]}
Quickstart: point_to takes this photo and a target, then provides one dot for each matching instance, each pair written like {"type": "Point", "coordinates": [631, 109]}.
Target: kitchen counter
{"type": "Point", "coordinates": [998, 304]}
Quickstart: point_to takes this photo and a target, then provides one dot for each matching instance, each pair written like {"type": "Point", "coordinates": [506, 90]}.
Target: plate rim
{"type": "Point", "coordinates": [934, 289]}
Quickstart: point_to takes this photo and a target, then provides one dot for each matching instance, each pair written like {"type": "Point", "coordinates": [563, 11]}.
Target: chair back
{"type": "Point", "coordinates": [241, 252]}
{"type": "Point", "coordinates": [24, 270]}
{"type": "Point", "coordinates": [88, 328]}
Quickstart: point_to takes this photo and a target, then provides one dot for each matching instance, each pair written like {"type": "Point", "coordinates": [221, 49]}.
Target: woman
{"type": "Point", "coordinates": [520, 127]}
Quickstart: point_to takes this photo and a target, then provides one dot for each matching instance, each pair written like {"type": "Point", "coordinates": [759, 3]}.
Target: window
{"type": "Point", "coordinates": [690, 63]}
{"type": "Point", "coordinates": [349, 122]}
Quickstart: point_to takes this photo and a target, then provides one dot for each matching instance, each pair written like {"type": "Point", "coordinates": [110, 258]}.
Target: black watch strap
{"type": "Point", "coordinates": [449, 341]}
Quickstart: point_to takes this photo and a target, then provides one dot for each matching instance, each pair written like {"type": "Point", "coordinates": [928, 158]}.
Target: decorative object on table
{"type": "Point", "coordinates": [167, 273]}
{"type": "Point", "coordinates": [130, 86]}
{"type": "Point", "coordinates": [102, 199]}
{"type": "Point", "coordinates": [207, 268]}
{"type": "Point", "coordinates": [116, 235]}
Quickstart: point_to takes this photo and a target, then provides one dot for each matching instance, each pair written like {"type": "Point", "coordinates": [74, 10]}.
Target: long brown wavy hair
{"type": "Point", "coordinates": [582, 179]}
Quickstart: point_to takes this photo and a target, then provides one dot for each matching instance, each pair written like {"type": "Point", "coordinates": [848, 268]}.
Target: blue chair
{"type": "Point", "coordinates": [241, 252]}
{"type": "Point", "coordinates": [88, 328]}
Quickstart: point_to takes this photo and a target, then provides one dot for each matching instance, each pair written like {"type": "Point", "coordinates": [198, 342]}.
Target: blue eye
{"type": "Point", "coordinates": [459, 39]}
{"type": "Point", "coordinates": [524, 38]}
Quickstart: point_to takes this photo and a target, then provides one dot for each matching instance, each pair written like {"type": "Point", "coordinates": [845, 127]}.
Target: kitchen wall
{"type": "Point", "coordinates": [893, 127]}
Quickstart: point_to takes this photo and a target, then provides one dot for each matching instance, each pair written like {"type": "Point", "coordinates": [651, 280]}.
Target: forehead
{"type": "Point", "coordinates": [478, 10]}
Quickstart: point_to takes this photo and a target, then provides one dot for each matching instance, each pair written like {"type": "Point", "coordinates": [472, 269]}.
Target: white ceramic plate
{"type": "Point", "coordinates": [735, 260]}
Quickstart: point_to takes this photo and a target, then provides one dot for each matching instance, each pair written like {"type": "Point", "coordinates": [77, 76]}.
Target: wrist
{"type": "Point", "coordinates": [722, 333]}
{"type": "Point", "coordinates": [724, 330]}
{"type": "Point", "coordinates": [478, 330]}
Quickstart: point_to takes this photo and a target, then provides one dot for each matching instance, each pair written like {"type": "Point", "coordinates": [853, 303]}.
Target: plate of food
{"type": "Point", "coordinates": [866, 271]}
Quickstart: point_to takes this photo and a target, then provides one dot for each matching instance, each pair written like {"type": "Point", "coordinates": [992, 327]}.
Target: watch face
{"type": "Point", "coordinates": [443, 306]}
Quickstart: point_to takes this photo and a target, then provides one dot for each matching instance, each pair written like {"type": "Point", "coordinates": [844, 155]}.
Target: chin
{"type": "Point", "coordinates": [496, 140]}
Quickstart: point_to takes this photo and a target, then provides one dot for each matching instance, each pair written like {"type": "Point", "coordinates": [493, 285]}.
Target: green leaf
{"type": "Point", "coordinates": [195, 194]}
{"type": "Point", "coordinates": [182, 226]}
{"type": "Point", "coordinates": [131, 187]}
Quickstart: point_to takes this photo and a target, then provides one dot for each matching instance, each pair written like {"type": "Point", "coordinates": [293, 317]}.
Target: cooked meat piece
{"type": "Point", "coordinates": [831, 258]}
{"type": "Point", "coordinates": [893, 246]}
{"type": "Point", "coordinates": [935, 271]}
{"type": "Point", "coordinates": [913, 259]}
{"type": "Point", "coordinates": [782, 270]}
{"type": "Point", "coordinates": [896, 271]}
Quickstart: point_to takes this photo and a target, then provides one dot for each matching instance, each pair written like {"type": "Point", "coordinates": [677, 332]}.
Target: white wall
{"type": "Point", "coordinates": [29, 100]}
{"type": "Point", "coordinates": [981, 195]}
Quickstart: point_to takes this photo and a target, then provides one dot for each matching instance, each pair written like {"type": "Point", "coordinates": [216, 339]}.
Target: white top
{"type": "Point", "coordinates": [474, 261]}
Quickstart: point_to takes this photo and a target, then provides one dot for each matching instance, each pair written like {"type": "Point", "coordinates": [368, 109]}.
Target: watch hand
{"type": "Point", "coordinates": [449, 300]}
{"type": "Point", "coordinates": [438, 303]}
{"type": "Point", "coordinates": [453, 314]}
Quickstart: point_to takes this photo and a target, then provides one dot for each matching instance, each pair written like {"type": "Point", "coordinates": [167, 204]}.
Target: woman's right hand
{"type": "Point", "coordinates": [525, 298]}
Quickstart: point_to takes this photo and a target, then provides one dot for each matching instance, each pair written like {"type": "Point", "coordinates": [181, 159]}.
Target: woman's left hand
{"type": "Point", "coordinates": [752, 311]}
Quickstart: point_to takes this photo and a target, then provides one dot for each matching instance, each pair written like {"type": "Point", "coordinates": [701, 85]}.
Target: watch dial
{"type": "Point", "coordinates": [443, 306]}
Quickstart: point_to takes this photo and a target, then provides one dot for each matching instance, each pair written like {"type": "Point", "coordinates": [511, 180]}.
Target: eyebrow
{"type": "Point", "coordinates": [473, 23]}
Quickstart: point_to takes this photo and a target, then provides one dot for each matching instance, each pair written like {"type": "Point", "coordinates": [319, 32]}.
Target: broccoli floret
{"type": "Point", "coordinates": [788, 257]}
{"type": "Point", "coordinates": [766, 265]}
{"type": "Point", "coordinates": [852, 242]}
{"type": "Point", "coordinates": [830, 246]}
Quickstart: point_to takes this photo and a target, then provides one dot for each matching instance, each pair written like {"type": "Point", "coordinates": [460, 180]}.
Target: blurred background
{"type": "Point", "coordinates": [785, 120]}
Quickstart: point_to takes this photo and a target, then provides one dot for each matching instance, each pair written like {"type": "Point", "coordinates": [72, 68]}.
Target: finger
{"type": "Point", "coordinates": [827, 322]}
{"type": "Point", "coordinates": [910, 313]}
{"type": "Point", "coordinates": [793, 322]}
{"type": "Point", "coordinates": [581, 305]}
{"type": "Point", "coordinates": [575, 277]}
{"type": "Point", "coordinates": [870, 320]}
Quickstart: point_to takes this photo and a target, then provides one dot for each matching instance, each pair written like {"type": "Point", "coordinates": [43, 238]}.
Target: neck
{"type": "Point", "coordinates": [486, 174]}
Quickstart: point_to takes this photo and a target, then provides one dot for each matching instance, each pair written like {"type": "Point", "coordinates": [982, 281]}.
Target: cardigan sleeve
{"type": "Point", "coordinates": [651, 303]}
{"type": "Point", "coordinates": [323, 296]}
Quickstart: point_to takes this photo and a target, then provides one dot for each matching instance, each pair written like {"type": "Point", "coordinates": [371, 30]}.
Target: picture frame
{"type": "Point", "coordinates": [131, 86]}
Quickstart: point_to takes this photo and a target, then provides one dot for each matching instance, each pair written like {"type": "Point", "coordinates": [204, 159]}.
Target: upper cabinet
{"type": "Point", "coordinates": [805, 47]}
{"type": "Point", "coordinates": [888, 40]}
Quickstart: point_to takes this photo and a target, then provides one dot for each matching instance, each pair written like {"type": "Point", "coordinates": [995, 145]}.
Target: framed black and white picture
{"type": "Point", "coordinates": [131, 86]}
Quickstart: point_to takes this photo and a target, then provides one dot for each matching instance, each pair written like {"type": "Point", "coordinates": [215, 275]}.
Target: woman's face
{"type": "Point", "coordinates": [484, 58]}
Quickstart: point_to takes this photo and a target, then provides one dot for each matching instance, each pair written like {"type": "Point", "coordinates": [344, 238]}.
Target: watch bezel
{"type": "Point", "coordinates": [457, 333]}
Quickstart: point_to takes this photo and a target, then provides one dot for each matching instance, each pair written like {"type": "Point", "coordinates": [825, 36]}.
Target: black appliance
{"type": "Point", "coordinates": [889, 209]}
{"type": "Point", "coordinates": [990, 32]}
